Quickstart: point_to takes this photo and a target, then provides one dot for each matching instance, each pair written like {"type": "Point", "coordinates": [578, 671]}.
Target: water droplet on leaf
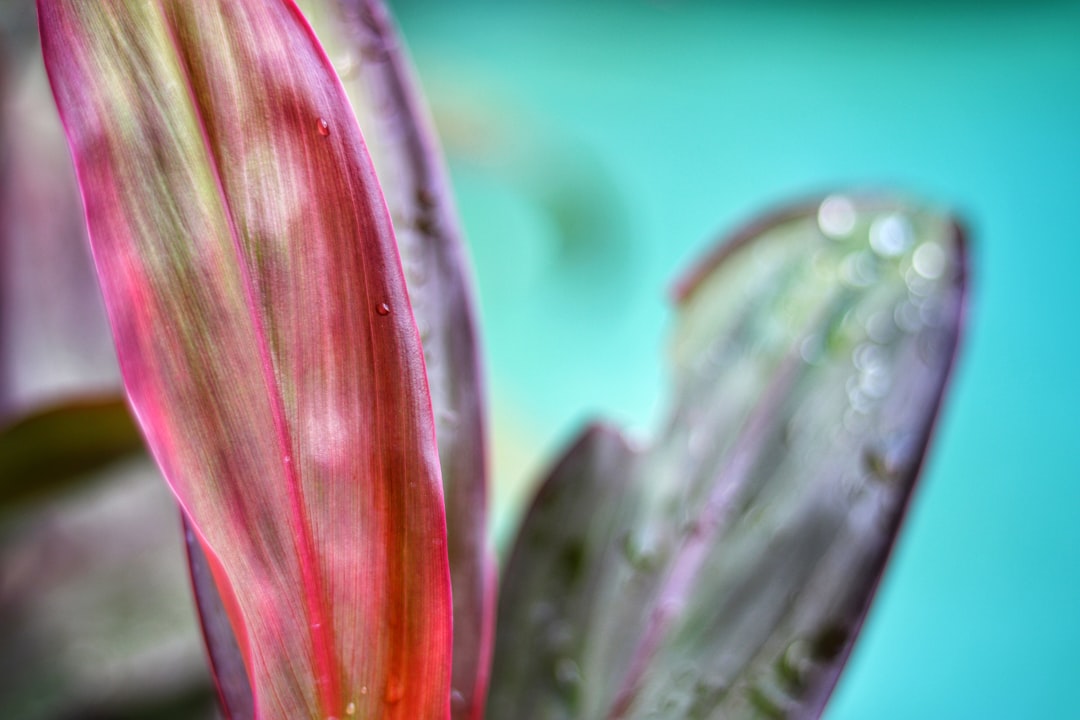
{"type": "Point", "coordinates": [383, 309]}
{"type": "Point", "coordinates": [836, 216]}
{"type": "Point", "coordinates": [350, 709]}
{"type": "Point", "coordinates": [457, 700]}
{"type": "Point", "coordinates": [907, 317]}
{"type": "Point", "coordinates": [395, 690]}
{"type": "Point", "coordinates": [323, 127]}
{"type": "Point", "coordinates": [929, 260]}
{"type": "Point", "coordinates": [567, 673]}
{"type": "Point", "coordinates": [859, 269]}
{"type": "Point", "coordinates": [890, 459]}
{"type": "Point", "coordinates": [891, 235]}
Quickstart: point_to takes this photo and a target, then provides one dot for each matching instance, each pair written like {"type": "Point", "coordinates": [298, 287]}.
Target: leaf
{"type": "Point", "coordinates": [811, 354]}
{"type": "Point", "coordinates": [382, 89]}
{"type": "Point", "coordinates": [61, 404]}
{"type": "Point", "coordinates": [96, 613]}
{"type": "Point", "coordinates": [567, 538]}
{"type": "Point", "coordinates": [381, 84]}
{"type": "Point", "coordinates": [54, 447]}
{"type": "Point", "coordinates": [226, 658]}
{"type": "Point", "coordinates": [266, 341]}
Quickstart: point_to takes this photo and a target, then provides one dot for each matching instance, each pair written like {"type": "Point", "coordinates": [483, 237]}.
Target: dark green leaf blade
{"type": "Point", "coordinates": [62, 414]}
{"type": "Point", "coordinates": [50, 449]}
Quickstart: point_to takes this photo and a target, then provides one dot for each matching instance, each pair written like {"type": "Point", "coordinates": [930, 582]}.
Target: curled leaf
{"type": "Point", "coordinates": [266, 340]}
{"type": "Point", "coordinates": [811, 355]}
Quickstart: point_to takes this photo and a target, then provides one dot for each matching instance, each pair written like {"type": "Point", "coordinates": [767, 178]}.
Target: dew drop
{"type": "Point", "coordinates": [859, 269]}
{"type": "Point", "coordinates": [907, 317]}
{"type": "Point", "coordinates": [446, 417]}
{"type": "Point", "coordinates": [323, 127]}
{"type": "Point", "coordinates": [567, 673]}
{"type": "Point", "coordinates": [350, 709]}
{"type": "Point", "coordinates": [794, 666]}
{"type": "Point", "coordinates": [457, 700]}
{"type": "Point", "coordinates": [836, 216]}
{"type": "Point", "coordinates": [891, 235]}
{"type": "Point", "coordinates": [929, 261]}
{"type": "Point", "coordinates": [867, 356]}
{"type": "Point", "coordinates": [875, 382]}
{"type": "Point", "coordinates": [345, 65]}
{"type": "Point", "coordinates": [383, 309]}
{"type": "Point", "coordinates": [811, 349]}
{"type": "Point", "coordinates": [890, 459]}
{"type": "Point", "coordinates": [881, 328]}
{"type": "Point", "coordinates": [917, 285]}
{"type": "Point", "coordinates": [639, 551]}
{"type": "Point", "coordinates": [363, 690]}
{"type": "Point", "coordinates": [395, 690]}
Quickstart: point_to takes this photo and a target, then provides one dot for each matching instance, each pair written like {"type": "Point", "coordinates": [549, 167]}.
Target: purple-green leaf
{"type": "Point", "coordinates": [226, 658]}
{"type": "Point", "coordinates": [266, 340]}
{"type": "Point", "coordinates": [568, 537]}
{"type": "Point", "coordinates": [811, 355]}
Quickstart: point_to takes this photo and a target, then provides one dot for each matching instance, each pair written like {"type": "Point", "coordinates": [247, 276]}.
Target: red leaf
{"type": "Point", "coordinates": [266, 340]}
{"type": "Point", "coordinates": [379, 80]}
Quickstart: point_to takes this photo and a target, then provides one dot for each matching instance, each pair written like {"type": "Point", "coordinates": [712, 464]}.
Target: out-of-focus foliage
{"type": "Point", "coordinates": [724, 571]}
{"type": "Point", "coordinates": [95, 614]}
{"type": "Point", "coordinates": [95, 606]}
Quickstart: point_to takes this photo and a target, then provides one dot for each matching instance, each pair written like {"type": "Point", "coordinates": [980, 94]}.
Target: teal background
{"type": "Point", "coordinates": [596, 148]}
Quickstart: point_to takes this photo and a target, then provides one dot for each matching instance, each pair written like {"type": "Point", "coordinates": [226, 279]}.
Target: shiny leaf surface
{"type": "Point", "coordinates": [811, 355]}
{"type": "Point", "coordinates": [266, 340]}
{"type": "Point", "coordinates": [374, 66]}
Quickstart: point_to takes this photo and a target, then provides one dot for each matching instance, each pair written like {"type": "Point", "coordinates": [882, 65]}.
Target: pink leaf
{"type": "Point", "coordinates": [380, 82]}
{"type": "Point", "coordinates": [266, 340]}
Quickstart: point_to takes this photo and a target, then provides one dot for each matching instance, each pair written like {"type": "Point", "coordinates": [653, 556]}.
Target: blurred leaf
{"type": "Point", "coordinates": [52, 448]}
{"type": "Point", "coordinates": [546, 604]}
{"type": "Point", "coordinates": [61, 408]}
{"type": "Point", "coordinates": [266, 340]}
{"type": "Point", "coordinates": [96, 619]}
{"type": "Point", "coordinates": [811, 355]}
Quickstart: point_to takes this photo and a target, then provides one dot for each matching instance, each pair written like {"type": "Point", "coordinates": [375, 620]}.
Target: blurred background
{"type": "Point", "coordinates": [597, 149]}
